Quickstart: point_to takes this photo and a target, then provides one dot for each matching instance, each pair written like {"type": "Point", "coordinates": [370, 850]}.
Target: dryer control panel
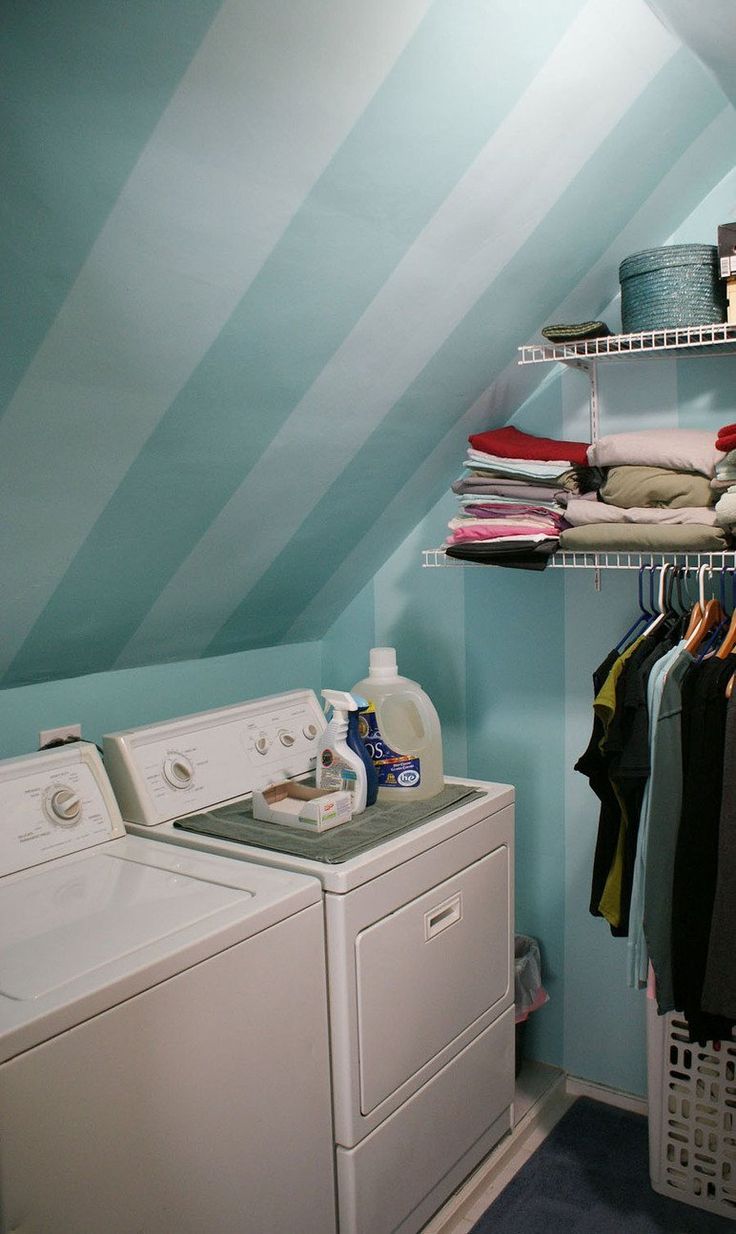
{"type": "Point", "coordinates": [52, 804]}
{"type": "Point", "coordinates": [185, 766]}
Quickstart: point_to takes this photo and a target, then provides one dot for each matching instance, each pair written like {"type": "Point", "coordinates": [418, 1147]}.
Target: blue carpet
{"type": "Point", "coordinates": [591, 1176]}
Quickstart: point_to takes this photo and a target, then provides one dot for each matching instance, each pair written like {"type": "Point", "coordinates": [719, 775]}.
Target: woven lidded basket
{"type": "Point", "coordinates": [676, 285]}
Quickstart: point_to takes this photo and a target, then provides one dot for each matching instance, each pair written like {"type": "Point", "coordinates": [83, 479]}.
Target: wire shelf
{"type": "Point", "coordinates": [646, 343]}
{"type": "Point", "coordinates": [437, 557]}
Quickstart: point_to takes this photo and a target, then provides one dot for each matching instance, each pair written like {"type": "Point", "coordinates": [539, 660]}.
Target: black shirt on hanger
{"type": "Point", "coordinates": [704, 709]}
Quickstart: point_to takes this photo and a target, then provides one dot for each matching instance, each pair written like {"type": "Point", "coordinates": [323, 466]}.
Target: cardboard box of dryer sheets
{"type": "Point", "coordinates": [298, 805]}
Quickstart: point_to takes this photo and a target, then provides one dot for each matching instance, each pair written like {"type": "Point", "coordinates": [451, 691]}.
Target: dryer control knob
{"type": "Point", "coordinates": [310, 731]}
{"type": "Point", "coordinates": [178, 771]}
{"type": "Point", "coordinates": [262, 744]}
{"type": "Point", "coordinates": [65, 806]}
{"type": "Point", "coordinates": [286, 738]}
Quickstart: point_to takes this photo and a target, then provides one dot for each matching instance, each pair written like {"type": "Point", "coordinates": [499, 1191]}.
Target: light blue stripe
{"type": "Point", "coordinates": [424, 127]}
{"type": "Point", "coordinates": [677, 105]}
{"type": "Point", "coordinates": [83, 87]}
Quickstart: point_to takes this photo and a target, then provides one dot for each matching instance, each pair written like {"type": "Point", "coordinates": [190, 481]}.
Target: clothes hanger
{"type": "Point", "coordinates": [729, 639]}
{"type": "Point", "coordinates": [643, 616]}
{"type": "Point", "coordinates": [661, 612]}
{"type": "Point", "coordinates": [713, 614]}
{"type": "Point", "coordinates": [675, 608]}
{"type": "Point", "coordinates": [696, 612]}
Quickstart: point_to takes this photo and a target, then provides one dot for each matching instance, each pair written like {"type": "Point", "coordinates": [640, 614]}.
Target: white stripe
{"type": "Point", "coordinates": [261, 110]}
{"type": "Point", "coordinates": [586, 86]}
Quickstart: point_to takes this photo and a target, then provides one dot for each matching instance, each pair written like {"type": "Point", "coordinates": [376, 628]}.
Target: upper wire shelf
{"type": "Point", "coordinates": [433, 557]}
{"type": "Point", "coordinates": [645, 343]}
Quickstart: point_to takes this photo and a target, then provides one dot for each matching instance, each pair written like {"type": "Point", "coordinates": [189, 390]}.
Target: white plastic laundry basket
{"type": "Point", "coordinates": [692, 1116]}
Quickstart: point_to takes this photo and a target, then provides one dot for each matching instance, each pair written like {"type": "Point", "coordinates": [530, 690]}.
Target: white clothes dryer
{"type": "Point", "coordinates": [419, 923]}
{"type": "Point", "coordinates": [164, 1060]}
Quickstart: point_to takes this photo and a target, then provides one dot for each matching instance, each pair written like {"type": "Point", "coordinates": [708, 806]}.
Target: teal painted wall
{"type": "Point", "coordinates": [517, 652]}
{"type": "Point", "coordinates": [421, 613]}
{"type": "Point", "coordinates": [106, 702]}
{"type": "Point", "coordinates": [515, 675]}
{"type": "Point", "coordinates": [263, 258]}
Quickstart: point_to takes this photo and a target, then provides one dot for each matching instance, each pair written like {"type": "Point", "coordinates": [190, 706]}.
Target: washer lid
{"type": "Point", "coordinates": [73, 918]}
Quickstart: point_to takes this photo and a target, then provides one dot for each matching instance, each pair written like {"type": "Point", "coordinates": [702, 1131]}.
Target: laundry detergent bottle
{"type": "Point", "coordinates": [401, 731]}
{"type": "Point", "coordinates": [339, 767]}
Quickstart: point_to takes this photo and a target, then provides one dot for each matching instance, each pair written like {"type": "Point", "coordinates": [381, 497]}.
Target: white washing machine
{"type": "Point", "coordinates": [418, 909]}
{"type": "Point", "coordinates": [164, 1062]}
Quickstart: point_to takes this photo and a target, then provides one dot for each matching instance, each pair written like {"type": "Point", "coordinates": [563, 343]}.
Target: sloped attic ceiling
{"type": "Point", "coordinates": [259, 260]}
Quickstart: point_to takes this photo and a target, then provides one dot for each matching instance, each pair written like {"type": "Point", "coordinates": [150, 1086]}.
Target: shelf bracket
{"type": "Point", "coordinates": [590, 368]}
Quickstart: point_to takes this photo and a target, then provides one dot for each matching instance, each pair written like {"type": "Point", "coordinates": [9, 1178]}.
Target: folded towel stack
{"type": "Point", "coordinates": [653, 491]}
{"type": "Point", "coordinates": [510, 513]}
{"type": "Point", "coordinates": [656, 495]}
{"type": "Point", "coordinates": [724, 481]}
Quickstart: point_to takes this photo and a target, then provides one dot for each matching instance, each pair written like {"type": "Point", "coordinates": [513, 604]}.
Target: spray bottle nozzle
{"type": "Point", "coordinates": [340, 700]}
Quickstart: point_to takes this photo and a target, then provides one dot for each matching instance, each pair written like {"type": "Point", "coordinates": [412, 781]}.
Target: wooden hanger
{"type": "Point", "coordinates": [712, 614]}
{"type": "Point", "coordinates": [728, 644]}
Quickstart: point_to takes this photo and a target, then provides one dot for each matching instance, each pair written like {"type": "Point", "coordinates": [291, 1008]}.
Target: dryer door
{"type": "Point", "coordinates": [429, 971]}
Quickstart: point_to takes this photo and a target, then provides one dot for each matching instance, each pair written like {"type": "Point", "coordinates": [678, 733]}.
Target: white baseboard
{"type": "Point", "coordinates": [576, 1087]}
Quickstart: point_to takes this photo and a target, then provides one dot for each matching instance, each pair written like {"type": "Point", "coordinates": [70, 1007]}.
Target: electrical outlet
{"type": "Point", "coordinates": [58, 734]}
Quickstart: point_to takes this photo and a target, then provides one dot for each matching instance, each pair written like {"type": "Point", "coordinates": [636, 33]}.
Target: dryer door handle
{"type": "Point", "coordinates": [442, 916]}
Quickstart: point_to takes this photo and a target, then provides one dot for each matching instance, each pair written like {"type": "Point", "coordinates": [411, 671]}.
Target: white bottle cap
{"type": "Point", "coordinates": [383, 662]}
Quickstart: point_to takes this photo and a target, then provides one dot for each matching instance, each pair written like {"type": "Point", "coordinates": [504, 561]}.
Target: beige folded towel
{"type": "Point", "coordinates": [643, 538]}
{"type": "Point", "coordinates": [580, 513]}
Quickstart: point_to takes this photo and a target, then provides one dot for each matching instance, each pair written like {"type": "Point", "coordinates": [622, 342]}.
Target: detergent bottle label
{"type": "Point", "coordinates": [336, 775]}
{"type": "Point", "coordinates": [394, 770]}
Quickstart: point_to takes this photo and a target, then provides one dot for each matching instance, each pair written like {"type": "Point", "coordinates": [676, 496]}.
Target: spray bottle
{"type": "Point", "coordinates": [338, 766]}
{"type": "Point", "coordinates": [356, 743]}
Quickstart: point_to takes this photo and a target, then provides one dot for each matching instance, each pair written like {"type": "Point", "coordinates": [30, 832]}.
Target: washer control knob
{"type": "Point", "coordinates": [262, 744]}
{"type": "Point", "coordinates": [65, 806]}
{"type": "Point", "coordinates": [310, 731]}
{"type": "Point", "coordinates": [286, 738]}
{"type": "Point", "coordinates": [178, 771]}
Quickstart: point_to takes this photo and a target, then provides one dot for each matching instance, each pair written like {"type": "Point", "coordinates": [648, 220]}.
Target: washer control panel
{"type": "Point", "coordinates": [54, 803]}
{"type": "Point", "coordinates": [189, 765]}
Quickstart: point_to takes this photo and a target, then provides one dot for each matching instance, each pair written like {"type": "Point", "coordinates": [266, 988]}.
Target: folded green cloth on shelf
{"type": "Point", "coordinates": [629, 485]}
{"type": "Point", "coordinates": [577, 333]}
{"type": "Point", "coordinates": [643, 538]}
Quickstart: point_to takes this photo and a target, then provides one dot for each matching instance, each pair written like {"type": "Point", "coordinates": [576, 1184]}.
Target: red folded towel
{"type": "Point", "coordinates": [511, 443]}
{"type": "Point", "coordinates": [726, 439]}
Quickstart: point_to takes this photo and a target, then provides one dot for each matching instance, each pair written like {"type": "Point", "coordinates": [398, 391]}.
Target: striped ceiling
{"type": "Point", "coordinates": [260, 260]}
